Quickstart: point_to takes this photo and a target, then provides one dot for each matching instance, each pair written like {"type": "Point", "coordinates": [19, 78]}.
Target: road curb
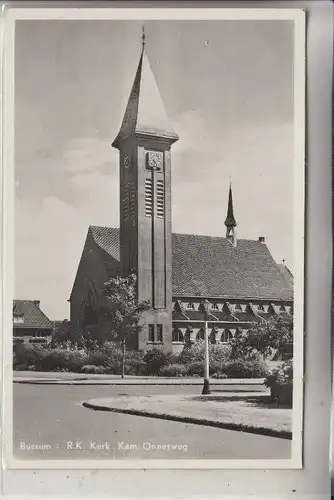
{"type": "Point", "coordinates": [127, 383]}
{"type": "Point", "coordinates": [193, 420]}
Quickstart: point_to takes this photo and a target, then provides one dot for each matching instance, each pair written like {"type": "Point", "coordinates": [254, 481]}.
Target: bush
{"type": "Point", "coordinates": [97, 359]}
{"type": "Point", "coordinates": [195, 353]}
{"type": "Point", "coordinates": [241, 368]}
{"type": "Point", "coordinates": [113, 357]}
{"type": "Point", "coordinates": [62, 359]}
{"type": "Point", "coordinates": [113, 369]}
{"type": "Point", "coordinates": [155, 360]}
{"type": "Point", "coordinates": [195, 369]}
{"type": "Point", "coordinates": [93, 369]}
{"type": "Point", "coordinates": [134, 360]}
{"type": "Point", "coordinates": [219, 375]}
{"type": "Point", "coordinates": [280, 381]}
{"type": "Point", "coordinates": [174, 370]}
{"type": "Point", "coordinates": [134, 363]}
{"type": "Point", "coordinates": [216, 367]}
{"type": "Point", "coordinates": [26, 356]}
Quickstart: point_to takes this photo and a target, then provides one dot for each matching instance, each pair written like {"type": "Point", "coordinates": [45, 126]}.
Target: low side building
{"type": "Point", "coordinates": [30, 323]}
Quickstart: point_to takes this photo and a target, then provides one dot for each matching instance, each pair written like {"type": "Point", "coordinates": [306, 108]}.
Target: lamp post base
{"type": "Point", "coordinates": [206, 387]}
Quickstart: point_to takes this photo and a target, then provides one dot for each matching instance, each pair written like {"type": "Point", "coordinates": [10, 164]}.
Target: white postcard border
{"type": "Point", "coordinates": [295, 15]}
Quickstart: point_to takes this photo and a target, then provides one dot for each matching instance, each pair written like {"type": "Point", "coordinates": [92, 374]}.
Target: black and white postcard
{"type": "Point", "coordinates": [154, 238]}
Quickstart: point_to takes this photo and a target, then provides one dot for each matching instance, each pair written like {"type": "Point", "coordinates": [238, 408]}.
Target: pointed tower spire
{"type": "Point", "coordinates": [145, 114]}
{"type": "Point", "coordinates": [230, 221]}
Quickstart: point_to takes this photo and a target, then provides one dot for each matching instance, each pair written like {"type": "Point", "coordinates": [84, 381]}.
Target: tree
{"type": "Point", "coordinates": [123, 310]}
{"type": "Point", "coordinates": [273, 336]}
{"type": "Point", "coordinates": [61, 333]}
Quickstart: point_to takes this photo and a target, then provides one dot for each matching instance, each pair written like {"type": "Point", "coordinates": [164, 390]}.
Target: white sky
{"type": "Point", "coordinates": [228, 89]}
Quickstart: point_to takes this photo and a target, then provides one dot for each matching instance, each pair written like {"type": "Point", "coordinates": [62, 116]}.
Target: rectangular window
{"type": "Point", "coordinates": [160, 199]}
{"type": "Point", "coordinates": [159, 333]}
{"type": "Point", "coordinates": [151, 333]}
{"type": "Point", "coordinates": [148, 198]}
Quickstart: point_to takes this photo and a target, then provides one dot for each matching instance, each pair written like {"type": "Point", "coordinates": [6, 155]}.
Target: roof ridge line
{"type": "Point", "coordinates": [183, 234]}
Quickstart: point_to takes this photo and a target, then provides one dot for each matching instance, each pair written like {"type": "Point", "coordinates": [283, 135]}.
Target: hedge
{"type": "Point", "coordinates": [93, 369]}
{"type": "Point", "coordinates": [174, 370]}
{"type": "Point", "coordinates": [152, 363]}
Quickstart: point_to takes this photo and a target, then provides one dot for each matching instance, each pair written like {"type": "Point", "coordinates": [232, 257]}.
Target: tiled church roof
{"type": "Point", "coordinates": [32, 315]}
{"type": "Point", "coordinates": [208, 266]}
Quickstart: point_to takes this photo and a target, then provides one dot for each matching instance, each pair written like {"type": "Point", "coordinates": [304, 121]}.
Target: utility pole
{"type": "Point", "coordinates": [206, 385]}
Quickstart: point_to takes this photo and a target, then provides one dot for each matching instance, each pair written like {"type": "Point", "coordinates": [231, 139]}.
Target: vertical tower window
{"type": "Point", "coordinates": [159, 333]}
{"type": "Point", "coordinates": [151, 333]}
{"type": "Point", "coordinates": [160, 199]}
{"type": "Point", "coordinates": [132, 199]}
{"type": "Point", "coordinates": [148, 198]}
{"type": "Point", "coordinates": [126, 189]}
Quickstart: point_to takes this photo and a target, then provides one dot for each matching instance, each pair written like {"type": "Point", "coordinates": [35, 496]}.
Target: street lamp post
{"type": "Point", "coordinates": [206, 385]}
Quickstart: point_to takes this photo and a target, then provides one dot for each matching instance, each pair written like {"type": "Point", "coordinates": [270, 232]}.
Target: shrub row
{"type": "Point", "coordinates": [155, 362]}
{"type": "Point", "coordinates": [280, 381]}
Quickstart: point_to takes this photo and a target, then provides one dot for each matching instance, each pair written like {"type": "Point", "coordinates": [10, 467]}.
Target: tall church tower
{"type": "Point", "coordinates": [144, 143]}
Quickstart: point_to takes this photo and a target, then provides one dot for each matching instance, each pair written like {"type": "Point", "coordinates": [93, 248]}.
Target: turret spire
{"type": "Point", "coordinates": [230, 221]}
{"type": "Point", "coordinates": [143, 38]}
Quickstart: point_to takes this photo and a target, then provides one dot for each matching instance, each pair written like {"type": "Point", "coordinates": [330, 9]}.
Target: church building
{"type": "Point", "coordinates": [175, 272]}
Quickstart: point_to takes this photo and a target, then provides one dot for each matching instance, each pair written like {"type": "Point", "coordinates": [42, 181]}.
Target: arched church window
{"type": "Point", "coordinates": [177, 335]}
{"type": "Point", "coordinates": [90, 316]}
{"type": "Point", "coordinates": [215, 306]}
{"type": "Point", "coordinates": [226, 336]}
{"type": "Point", "coordinates": [90, 310]}
{"type": "Point", "coordinates": [238, 307]}
{"type": "Point", "coordinates": [190, 306]}
{"type": "Point", "coordinates": [281, 309]}
{"type": "Point", "coordinates": [212, 337]}
{"type": "Point", "coordinates": [200, 335]}
{"type": "Point", "coordinates": [260, 308]}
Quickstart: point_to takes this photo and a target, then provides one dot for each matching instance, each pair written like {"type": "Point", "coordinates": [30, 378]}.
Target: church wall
{"type": "Point", "coordinates": [93, 271]}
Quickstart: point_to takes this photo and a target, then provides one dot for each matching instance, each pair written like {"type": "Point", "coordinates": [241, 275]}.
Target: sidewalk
{"type": "Point", "coordinates": [247, 411]}
{"type": "Point", "coordinates": [30, 377]}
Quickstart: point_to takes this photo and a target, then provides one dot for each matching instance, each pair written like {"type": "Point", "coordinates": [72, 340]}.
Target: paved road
{"type": "Point", "coordinates": [53, 417]}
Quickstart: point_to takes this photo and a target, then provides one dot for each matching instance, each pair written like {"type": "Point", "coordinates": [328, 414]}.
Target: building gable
{"type": "Point", "coordinates": [97, 258]}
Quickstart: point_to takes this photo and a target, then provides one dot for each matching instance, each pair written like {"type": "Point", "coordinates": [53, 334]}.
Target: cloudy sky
{"type": "Point", "coordinates": [228, 89]}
